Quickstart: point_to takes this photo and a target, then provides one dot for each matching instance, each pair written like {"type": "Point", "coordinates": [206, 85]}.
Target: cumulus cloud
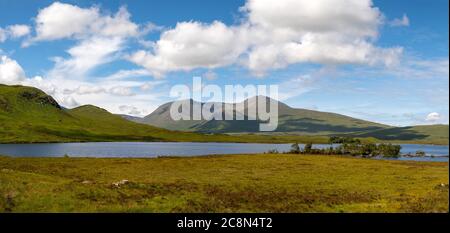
{"type": "Point", "coordinates": [19, 30]}
{"type": "Point", "coordinates": [99, 36]}
{"type": "Point", "coordinates": [323, 32]}
{"type": "Point", "coordinates": [433, 117]}
{"type": "Point", "coordinates": [402, 22]}
{"type": "Point", "coordinates": [273, 35]}
{"type": "Point", "coordinates": [191, 45]}
{"type": "Point", "coordinates": [61, 20]}
{"type": "Point", "coordinates": [10, 71]}
{"type": "Point", "coordinates": [14, 31]}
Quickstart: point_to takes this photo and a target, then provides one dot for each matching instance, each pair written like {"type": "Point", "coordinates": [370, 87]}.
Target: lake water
{"type": "Point", "coordinates": [154, 149]}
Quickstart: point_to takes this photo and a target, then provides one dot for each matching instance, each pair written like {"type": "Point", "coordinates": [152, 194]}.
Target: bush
{"type": "Point", "coordinates": [337, 139]}
{"type": "Point", "coordinates": [420, 153]}
{"type": "Point", "coordinates": [354, 149]}
{"type": "Point", "coordinates": [308, 148]}
{"type": "Point", "coordinates": [273, 151]}
{"type": "Point", "coordinates": [295, 149]}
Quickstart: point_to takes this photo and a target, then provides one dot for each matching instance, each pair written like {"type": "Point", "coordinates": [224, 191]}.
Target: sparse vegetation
{"type": "Point", "coordinates": [353, 149]}
{"type": "Point", "coordinates": [337, 139]}
{"type": "Point", "coordinates": [420, 153]}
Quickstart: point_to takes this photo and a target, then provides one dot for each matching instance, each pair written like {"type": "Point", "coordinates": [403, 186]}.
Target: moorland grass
{"type": "Point", "coordinates": [229, 183]}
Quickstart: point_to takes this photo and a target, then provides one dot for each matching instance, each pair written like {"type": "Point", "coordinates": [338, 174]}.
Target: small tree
{"type": "Point", "coordinates": [420, 153]}
{"type": "Point", "coordinates": [308, 148]}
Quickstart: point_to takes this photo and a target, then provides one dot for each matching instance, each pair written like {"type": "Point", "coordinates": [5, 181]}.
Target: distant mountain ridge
{"type": "Point", "coordinates": [297, 121]}
{"type": "Point", "coordinates": [289, 120]}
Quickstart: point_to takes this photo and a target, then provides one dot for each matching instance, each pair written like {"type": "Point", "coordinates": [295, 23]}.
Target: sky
{"type": "Point", "coordinates": [383, 61]}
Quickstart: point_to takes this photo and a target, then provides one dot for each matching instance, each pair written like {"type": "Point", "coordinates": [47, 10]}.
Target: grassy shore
{"type": "Point", "coordinates": [232, 183]}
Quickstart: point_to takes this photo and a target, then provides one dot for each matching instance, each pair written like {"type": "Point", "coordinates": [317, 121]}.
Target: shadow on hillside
{"type": "Point", "coordinates": [403, 133]}
{"type": "Point", "coordinates": [308, 125]}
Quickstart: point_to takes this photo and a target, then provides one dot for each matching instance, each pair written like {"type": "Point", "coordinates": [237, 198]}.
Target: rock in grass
{"type": "Point", "coordinates": [120, 183]}
{"type": "Point", "coordinates": [86, 182]}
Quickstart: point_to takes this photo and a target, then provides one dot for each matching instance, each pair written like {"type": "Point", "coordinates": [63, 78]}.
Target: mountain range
{"type": "Point", "coordinates": [28, 114]}
{"type": "Point", "coordinates": [290, 120]}
{"type": "Point", "coordinates": [295, 121]}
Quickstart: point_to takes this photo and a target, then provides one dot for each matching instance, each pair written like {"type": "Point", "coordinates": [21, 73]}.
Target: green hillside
{"type": "Point", "coordinates": [29, 115]}
{"type": "Point", "coordinates": [437, 134]}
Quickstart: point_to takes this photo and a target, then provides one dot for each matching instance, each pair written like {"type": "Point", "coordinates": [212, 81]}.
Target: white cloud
{"type": "Point", "coordinates": [323, 32]}
{"type": "Point", "coordinates": [10, 71]}
{"type": "Point", "coordinates": [14, 31]}
{"type": "Point", "coordinates": [149, 85]}
{"type": "Point", "coordinates": [85, 56]}
{"type": "Point", "coordinates": [19, 30]}
{"type": "Point", "coordinates": [273, 35]}
{"type": "Point", "coordinates": [60, 20]}
{"type": "Point", "coordinates": [433, 117]}
{"type": "Point", "coordinates": [48, 87]}
{"type": "Point", "coordinates": [131, 110]}
{"type": "Point", "coordinates": [100, 37]}
{"type": "Point", "coordinates": [357, 18]}
{"type": "Point", "coordinates": [3, 35]}
{"type": "Point", "coordinates": [124, 74]}
{"type": "Point", "coordinates": [121, 91]}
{"type": "Point", "coordinates": [84, 90]}
{"type": "Point", "coordinates": [69, 101]}
{"type": "Point", "coordinates": [403, 22]}
{"type": "Point", "coordinates": [191, 45]}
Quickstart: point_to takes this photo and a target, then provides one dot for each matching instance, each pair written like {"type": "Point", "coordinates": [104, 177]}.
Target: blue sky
{"type": "Point", "coordinates": [384, 61]}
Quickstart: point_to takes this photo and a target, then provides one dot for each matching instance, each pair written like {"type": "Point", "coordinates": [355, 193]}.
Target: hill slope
{"type": "Point", "coordinates": [435, 134]}
{"type": "Point", "coordinates": [29, 115]}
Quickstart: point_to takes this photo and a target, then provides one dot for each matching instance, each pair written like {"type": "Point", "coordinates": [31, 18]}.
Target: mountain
{"type": "Point", "coordinates": [297, 121]}
{"type": "Point", "coordinates": [291, 120]}
{"type": "Point", "coordinates": [29, 115]}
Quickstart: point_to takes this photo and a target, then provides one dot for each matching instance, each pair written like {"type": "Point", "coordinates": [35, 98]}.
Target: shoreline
{"type": "Point", "coordinates": [244, 142]}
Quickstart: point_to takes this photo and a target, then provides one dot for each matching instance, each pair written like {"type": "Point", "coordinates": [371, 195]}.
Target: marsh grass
{"type": "Point", "coordinates": [230, 183]}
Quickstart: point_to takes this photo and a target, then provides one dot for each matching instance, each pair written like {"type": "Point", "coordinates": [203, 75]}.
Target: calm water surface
{"type": "Point", "coordinates": [154, 149]}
